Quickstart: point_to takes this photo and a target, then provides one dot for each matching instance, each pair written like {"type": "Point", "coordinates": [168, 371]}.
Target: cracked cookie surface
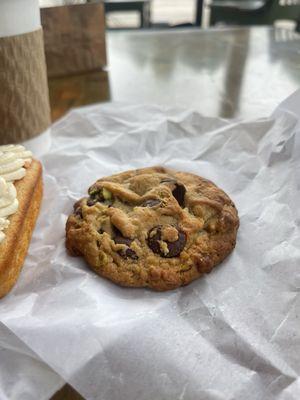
{"type": "Point", "coordinates": [153, 227]}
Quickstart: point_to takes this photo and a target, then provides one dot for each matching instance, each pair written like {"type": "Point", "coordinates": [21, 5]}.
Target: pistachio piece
{"type": "Point", "coordinates": [106, 194]}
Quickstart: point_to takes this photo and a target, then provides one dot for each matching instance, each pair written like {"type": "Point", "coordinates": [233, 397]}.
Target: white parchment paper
{"type": "Point", "coordinates": [23, 375]}
{"type": "Point", "coordinates": [233, 334]}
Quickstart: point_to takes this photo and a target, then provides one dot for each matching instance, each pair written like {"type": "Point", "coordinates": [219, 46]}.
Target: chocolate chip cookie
{"type": "Point", "coordinates": [153, 227]}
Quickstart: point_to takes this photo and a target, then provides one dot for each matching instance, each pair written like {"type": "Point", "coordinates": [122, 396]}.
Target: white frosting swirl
{"type": "Point", "coordinates": [17, 148]}
{"type": "Point", "coordinates": [8, 204]}
{"type": "Point", "coordinates": [12, 161]}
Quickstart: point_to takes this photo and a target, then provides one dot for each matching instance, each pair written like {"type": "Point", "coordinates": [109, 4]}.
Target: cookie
{"type": "Point", "coordinates": [153, 227]}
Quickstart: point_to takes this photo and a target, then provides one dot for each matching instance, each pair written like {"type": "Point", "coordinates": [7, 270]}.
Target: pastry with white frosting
{"type": "Point", "coordinates": [8, 204]}
{"type": "Point", "coordinates": [20, 198]}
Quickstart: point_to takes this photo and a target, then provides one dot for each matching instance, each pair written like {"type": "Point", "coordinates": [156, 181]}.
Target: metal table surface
{"type": "Point", "coordinates": [233, 72]}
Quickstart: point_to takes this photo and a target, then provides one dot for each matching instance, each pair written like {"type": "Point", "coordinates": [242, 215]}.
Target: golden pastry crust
{"type": "Point", "coordinates": [14, 248]}
{"type": "Point", "coordinates": [153, 227]}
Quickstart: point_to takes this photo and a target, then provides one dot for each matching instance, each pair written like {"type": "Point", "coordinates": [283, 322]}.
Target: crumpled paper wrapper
{"type": "Point", "coordinates": [234, 334]}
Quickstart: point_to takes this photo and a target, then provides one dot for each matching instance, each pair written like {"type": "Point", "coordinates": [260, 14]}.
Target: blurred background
{"type": "Point", "coordinates": [122, 14]}
{"type": "Point", "coordinates": [227, 58]}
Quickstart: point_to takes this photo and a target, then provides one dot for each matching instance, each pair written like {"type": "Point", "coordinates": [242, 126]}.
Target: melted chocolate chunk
{"type": "Point", "coordinates": [175, 248]}
{"type": "Point", "coordinates": [179, 193]}
{"type": "Point", "coordinates": [128, 252]}
{"type": "Point", "coordinates": [179, 190]}
{"type": "Point", "coordinates": [151, 203]}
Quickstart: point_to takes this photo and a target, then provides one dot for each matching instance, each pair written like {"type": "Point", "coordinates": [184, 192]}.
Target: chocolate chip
{"type": "Point", "coordinates": [151, 203]}
{"type": "Point", "coordinates": [179, 190]}
{"type": "Point", "coordinates": [179, 193]}
{"type": "Point", "coordinates": [174, 248]}
{"type": "Point", "coordinates": [203, 262]}
{"type": "Point", "coordinates": [128, 252]}
{"type": "Point", "coordinates": [78, 212]}
{"type": "Point", "coordinates": [91, 202]}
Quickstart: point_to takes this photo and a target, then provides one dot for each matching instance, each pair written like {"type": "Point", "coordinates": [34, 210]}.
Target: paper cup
{"type": "Point", "coordinates": [24, 99]}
